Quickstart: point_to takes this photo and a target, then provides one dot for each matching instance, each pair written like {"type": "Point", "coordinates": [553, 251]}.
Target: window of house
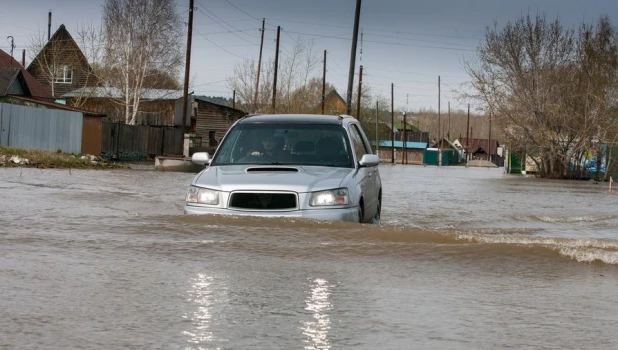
{"type": "Point", "coordinates": [64, 74]}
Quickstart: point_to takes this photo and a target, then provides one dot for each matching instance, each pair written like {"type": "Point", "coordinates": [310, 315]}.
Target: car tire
{"type": "Point", "coordinates": [361, 213]}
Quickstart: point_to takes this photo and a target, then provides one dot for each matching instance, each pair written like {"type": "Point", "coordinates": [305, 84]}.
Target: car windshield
{"type": "Point", "coordinates": [285, 144]}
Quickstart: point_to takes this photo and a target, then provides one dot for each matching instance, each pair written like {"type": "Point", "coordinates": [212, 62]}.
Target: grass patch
{"type": "Point", "coordinates": [45, 159]}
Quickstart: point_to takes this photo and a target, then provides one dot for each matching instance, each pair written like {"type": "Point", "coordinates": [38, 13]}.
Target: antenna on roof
{"type": "Point", "coordinates": [12, 42]}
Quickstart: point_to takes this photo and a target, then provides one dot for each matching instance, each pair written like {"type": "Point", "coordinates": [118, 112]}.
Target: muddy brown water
{"type": "Point", "coordinates": [464, 258]}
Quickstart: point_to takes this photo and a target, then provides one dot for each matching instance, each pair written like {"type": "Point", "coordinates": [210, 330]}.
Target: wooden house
{"type": "Point", "coordinates": [61, 66]}
{"type": "Point", "coordinates": [212, 120]}
{"type": "Point", "coordinates": [334, 104]}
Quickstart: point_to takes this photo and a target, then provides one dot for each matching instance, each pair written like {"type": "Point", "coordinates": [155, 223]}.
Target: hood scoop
{"type": "Point", "coordinates": [272, 170]}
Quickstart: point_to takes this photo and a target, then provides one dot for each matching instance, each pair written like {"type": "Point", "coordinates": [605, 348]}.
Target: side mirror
{"type": "Point", "coordinates": [201, 158]}
{"type": "Point", "coordinates": [369, 160]}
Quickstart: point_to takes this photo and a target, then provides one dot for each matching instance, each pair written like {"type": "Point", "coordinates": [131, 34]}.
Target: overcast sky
{"type": "Point", "coordinates": [405, 42]}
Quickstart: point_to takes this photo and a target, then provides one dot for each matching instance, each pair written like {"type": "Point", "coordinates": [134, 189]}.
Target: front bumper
{"type": "Point", "coordinates": [327, 214]}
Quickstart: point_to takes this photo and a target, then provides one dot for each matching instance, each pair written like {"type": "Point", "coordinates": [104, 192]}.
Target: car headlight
{"type": "Point", "coordinates": [337, 196]}
{"type": "Point", "coordinates": [202, 196]}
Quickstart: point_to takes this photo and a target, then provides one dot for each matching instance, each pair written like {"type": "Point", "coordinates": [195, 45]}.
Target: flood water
{"type": "Point", "coordinates": [464, 258]}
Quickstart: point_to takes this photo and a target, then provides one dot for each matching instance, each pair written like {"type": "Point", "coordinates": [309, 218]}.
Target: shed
{"type": "Point", "coordinates": [413, 151]}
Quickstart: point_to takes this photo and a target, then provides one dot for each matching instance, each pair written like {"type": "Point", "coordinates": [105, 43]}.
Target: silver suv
{"type": "Point", "coordinates": [313, 166]}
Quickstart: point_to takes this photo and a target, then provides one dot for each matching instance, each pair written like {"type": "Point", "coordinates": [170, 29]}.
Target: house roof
{"type": "Point", "coordinates": [112, 92]}
{"type": "Point", "coordinates": [399, 144]}
{"type": "Point", "coordinates": [33, 86]}
{"type": "Point", "coordinates": [334, 92]}
{"type": "Point", "coordinates": [409, 127]}
{"type": "Point", "coordinates": [206, 100]}
{"type": "Point", "coordinates": [55, 105]}
{"type": "Point", "coordinates": [62, 34]}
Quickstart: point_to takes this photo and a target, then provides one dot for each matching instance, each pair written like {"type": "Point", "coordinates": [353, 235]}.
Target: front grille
{"type": "Point", "coordinates": [263, 201]}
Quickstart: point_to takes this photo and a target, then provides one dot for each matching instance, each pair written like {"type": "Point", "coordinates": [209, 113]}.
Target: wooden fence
{"type": "Point", "coordinates": [136, 141]}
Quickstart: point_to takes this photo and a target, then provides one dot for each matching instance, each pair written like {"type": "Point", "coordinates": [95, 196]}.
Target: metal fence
{"type": "Point", "coordinates": [135, 142]}
{"type": "Point", "coordinates": [40, 128]}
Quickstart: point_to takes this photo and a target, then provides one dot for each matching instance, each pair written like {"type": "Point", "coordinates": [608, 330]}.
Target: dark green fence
{"type": "Point", "coordinates": [134, 142]}
{"type": "Point", "coordinates": [450, 156]}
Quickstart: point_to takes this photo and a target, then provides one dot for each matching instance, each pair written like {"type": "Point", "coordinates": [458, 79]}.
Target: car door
{"type": "Point", "coordinates": [368, 175]}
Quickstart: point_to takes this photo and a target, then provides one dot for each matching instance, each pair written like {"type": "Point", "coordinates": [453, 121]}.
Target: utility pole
{"type": "Point", "coordinates": [234, 99]}
{"type": "Point", "coordinates": [360, 80]}
{"type": "Point", "coordinates": [276, 68]}
{"type": "Point", "coordinates": [360, 85]}
{"type": "Point", "coordinates": [49, 26]}
{"type": "Point", "coordinates": [468, 136]}
{"type": "Point", "coordinates": [259, 67]}
{"type": "Point", "coordinates": [489, 145]}
{"type": "Point", "coordinates": [448, 133]}
{"type": "Point", "coordinates": [392, 123]}
{"type": "Point", "coordinates": [185, 93]}
{"type": "Point", "coordinates": [404, 152]}
{"type": "Point", "coordinates": [439, 127]}
{"type": "Point", "coordinates": [377, 140]}
{"type": "Point", "coordinates": [23, 58]}
{"type": "Point", "coordinates": [353, 58]}
{"type": "Point", "coordinates": [324, 84]}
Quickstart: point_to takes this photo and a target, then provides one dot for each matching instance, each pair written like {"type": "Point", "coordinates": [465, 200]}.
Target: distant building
{"type": "Point", "coordinates": [61, 66]}
{"type": "Point", "coordinates": [334, 104]}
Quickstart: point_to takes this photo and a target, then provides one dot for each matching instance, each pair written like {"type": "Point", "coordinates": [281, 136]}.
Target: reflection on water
{"type": "Point", "coordinates": [316, 330]}
{"type": "Point", "coordinates": [200, 294]}
{"type": "Point", "coordinates": [463, 259]}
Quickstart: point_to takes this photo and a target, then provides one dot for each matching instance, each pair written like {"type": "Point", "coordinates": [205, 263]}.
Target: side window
{"type": "Point", "coordinates": [360, 146]}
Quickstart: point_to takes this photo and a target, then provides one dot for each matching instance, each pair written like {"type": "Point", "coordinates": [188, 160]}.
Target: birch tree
{"type": "Point", "coordinates": [141, 40]}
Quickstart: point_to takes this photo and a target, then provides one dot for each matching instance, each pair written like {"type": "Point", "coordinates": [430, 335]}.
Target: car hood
{"type": "Point", "coordinates": [284, 178]}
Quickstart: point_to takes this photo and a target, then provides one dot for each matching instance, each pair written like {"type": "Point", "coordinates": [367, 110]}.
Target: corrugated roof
{"type": "Point", "coordinates": [112, 92]}
{"type": "Point", "coordinates": [55, 105]}
{"type": "Point", "coordinates": [205, 99]}
{"type": "Point", "coordinates": [399, 144]}
{"type": "Point", "coordinates": [35, 88]}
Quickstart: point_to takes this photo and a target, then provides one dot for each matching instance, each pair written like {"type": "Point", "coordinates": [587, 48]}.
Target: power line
{"type": "Point", "coordinates": [239, 9]}
{"type": "Point", "coordinates": [222, 21]}
{"type": "Point", "coordinates": [218, 46]}
{"type": "Point", "coordinates": [420, 40]}
{"type": "Point", "coordinates": [377, 30]}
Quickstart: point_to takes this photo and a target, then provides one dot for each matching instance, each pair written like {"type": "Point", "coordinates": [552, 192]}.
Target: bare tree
{"type": "Point", "coordinates": [550, 84]}
{"type": "Point", "coordinates": [295, 79]}
{"type": "Point", "coordinates": [141, 39]}
{"type": "Point", "coordinates": [243, 82]}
